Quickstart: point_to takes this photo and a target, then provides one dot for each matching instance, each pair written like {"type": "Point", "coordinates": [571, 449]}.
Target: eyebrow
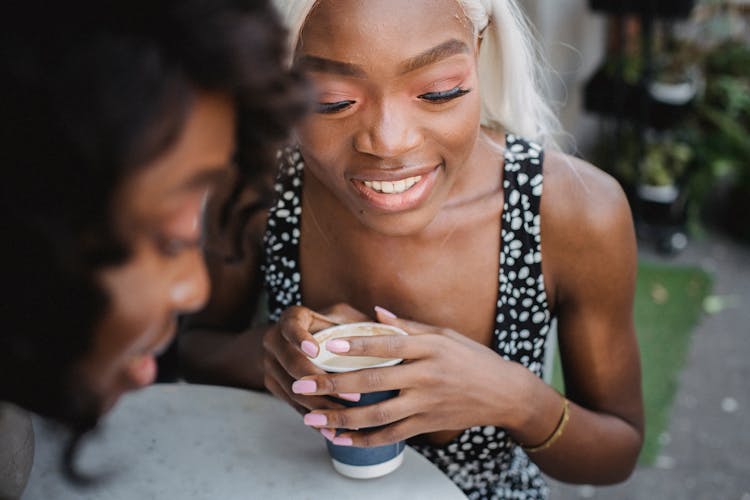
{"type": "Point", "coordinates": [444, 50]}
{"type": "Point", "coordinates": [323, 65]}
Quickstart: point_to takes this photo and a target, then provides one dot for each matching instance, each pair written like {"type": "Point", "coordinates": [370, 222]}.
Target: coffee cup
{"type": "Point", "coordinates": [352, 461]}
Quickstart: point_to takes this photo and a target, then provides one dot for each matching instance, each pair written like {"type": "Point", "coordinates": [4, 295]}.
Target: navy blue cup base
{"type": "Point", "coordinates": [363, 463]}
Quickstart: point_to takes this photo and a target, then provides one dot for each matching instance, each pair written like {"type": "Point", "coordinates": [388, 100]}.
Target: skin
{"type": "Point", "coordinates": [361, 249]}
{"type": "Point", "coordinates": [159, 211]}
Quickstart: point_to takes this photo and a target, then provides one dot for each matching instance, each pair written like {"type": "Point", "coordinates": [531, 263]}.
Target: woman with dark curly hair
{"type": "Point", "coordinates": [119, 118]}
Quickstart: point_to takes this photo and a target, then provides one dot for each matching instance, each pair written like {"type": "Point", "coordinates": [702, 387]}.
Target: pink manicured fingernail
{"type": "Point", "coordinates": [350, 396]}
{"type": "Point", "coordinates": [304, 386]}
{"type": "Point", "coordinates": [315, 419]}
{"type": "Point", "coordinates": [310, 348]}
{"type": "Point", "coordinates": [342, 441]}
{"type": "Point", "coordinates": [329, 434]}
{"type": "Point", "coordinates": [338, 345]}
{"type": "Point", "coordinates": [384, 312]}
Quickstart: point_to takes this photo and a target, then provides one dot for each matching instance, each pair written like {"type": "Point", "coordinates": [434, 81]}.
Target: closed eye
{"type": "Point", "coordinates": [444, 96]}
{"type": "Point", "coordinates": [327, 108]}
{"type": "Point", "coordinates": [174, 247]}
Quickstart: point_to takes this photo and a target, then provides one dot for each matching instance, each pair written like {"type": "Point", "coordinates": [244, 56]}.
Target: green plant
{"type": "Point", "coordinates": [720, 130]}
{"type": "Point", "coordinates": [665, 162]}
{"type": "Point", "coordinates": [676, 60]}
{"type": "Point", "coordinates": [699, 87]}
{"type": "Point", "coordinates": [629, 67]}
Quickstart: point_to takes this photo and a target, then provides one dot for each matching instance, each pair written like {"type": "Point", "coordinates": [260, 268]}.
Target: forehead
{"type": "Point", "coordinates": [353, 30]}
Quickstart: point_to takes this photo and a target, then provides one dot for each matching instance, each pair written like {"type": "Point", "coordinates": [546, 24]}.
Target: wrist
{"type": "Point", "coordinates": [536, 409]}
{"type": "Point", "coordinates": [527, 390]}
{"type": "Point", "coordinates": [556, 433]}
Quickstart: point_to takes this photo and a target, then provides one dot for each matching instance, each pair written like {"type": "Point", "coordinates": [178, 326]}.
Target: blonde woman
{"type": "Point", "coordinates": [425, 191]}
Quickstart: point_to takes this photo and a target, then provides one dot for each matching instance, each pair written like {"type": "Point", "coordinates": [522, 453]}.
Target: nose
{"type": "Point", "coordinates": [190, 290]}
{"type": "Point", "coordinates": [388, 131]}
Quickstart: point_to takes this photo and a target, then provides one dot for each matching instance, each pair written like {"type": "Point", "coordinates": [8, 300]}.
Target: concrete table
{"type": "Point", "coordinates": [184, 441]}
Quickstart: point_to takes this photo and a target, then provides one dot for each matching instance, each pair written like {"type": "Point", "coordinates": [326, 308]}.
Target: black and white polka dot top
{"type": "Point", "coordinates": [483, 461]}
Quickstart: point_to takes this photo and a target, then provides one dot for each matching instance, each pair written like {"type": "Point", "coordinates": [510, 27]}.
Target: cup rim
{"type": "Point", "coordinates": [337, 369]}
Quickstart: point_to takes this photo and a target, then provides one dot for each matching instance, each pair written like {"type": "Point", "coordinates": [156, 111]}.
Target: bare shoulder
{"type": "Point", "coordinates": [586, 222]}
{"type": "Point", "coordinates": [574, 188]}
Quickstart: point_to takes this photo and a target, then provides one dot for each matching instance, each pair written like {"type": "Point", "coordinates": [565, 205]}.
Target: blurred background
{"type": "Point", "coordinates": [657, 93]}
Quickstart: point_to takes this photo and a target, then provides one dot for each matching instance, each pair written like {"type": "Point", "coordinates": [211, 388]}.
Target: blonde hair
{"type": "Point", "coordinates": [510, 66]}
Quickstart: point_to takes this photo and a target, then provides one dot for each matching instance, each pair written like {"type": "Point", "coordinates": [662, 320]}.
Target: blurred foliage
{"type": "Point", "coordinates": [707, 149]}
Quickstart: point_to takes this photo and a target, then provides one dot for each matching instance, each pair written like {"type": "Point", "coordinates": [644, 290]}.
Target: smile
{"type": "Point", "coordinates": [397, 195]}
{"type": "Point", "coordinates": [393, 187]}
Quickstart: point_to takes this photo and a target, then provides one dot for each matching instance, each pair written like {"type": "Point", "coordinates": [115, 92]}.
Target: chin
{"type": "Point", "coordinates": [396, 225]}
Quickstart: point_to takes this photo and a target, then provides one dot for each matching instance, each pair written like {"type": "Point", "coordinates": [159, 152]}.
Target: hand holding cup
{"type": "Point", "coordinates": [352, 461]}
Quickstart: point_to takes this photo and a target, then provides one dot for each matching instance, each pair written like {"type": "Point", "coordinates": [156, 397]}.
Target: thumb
{"type": "Point", "coordinates": [411, 327]}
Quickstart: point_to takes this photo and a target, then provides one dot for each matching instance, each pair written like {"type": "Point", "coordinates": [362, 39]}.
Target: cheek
{"type": "Point", "coordinates": [321, 138]}
{"type": "Point", "coordinates": [137, 308]}
{"type": "Point", "coordinates": [134, 316]}
{"type": "Point", "coordinates": [323, 144]}
{"type": "Point", "coordinates": [137, 301]}
{"type": "Point", "coordinates": [458, 131]}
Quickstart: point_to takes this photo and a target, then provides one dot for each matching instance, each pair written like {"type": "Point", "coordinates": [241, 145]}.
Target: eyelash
{"type": "Point", "coordinates": [444, 96]}
{"type": "Point", "coordinates": [327, 108]}
{"type": "Point", "coordinates": [173, 247]}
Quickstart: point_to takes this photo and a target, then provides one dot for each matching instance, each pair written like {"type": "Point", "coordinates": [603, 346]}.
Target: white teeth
{"type": "Point", "coordinates": [393, 187]}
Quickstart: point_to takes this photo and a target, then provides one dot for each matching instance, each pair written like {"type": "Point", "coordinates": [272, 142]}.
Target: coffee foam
{"type": "Point", "coordinates": [332, 362]}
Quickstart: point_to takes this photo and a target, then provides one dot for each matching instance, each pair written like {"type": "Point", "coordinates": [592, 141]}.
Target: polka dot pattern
{"type": "Point", "coordinates": [483, 461]}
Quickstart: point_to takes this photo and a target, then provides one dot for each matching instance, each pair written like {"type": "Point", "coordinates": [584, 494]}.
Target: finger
{"type": "Point", "coordinates": [399, 377]}
{"type": "Point", "coordinates": [411, 327]}
{"type": "Point", "coordinates": [297, 324]}
{"type": "Point", "coordinates": [278, 381]}
{"type": "Point", "coordinates": [295, 363]}
{"type": "Point", "coordinates": [393, 433]}
{"type": "Point", "coordinates": [344, 313]}
{"type": "Point", "coordinates": [275, 388]}
{"type": "Point", "coordinates": [388, 346]}
{"type": "Point", "coordinates": [360, 417]}
{"type": "Point", "coordinates": [325, 319]}
{"type": "Point", "coordinates": [358, 430]}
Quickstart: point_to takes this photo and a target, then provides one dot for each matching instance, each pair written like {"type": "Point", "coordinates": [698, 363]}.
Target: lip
{"type": "Point", "coordinates": [164, 340]}
{"type": "Point", "coordinates": [142, 369]}
{"type": "Point", "coordinates": [396, 202]}
{"type": "Point", "coordinates": [394, 173]}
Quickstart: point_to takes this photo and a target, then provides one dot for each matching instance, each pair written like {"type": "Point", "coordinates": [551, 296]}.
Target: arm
{"type": "Point", "coordinates": [590, 258]}
{"type": "Point", "coordinates": [220, 345]}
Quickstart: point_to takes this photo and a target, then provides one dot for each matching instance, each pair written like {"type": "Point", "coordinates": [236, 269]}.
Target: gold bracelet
{"type": "Point", "coordinates": [555, 434]}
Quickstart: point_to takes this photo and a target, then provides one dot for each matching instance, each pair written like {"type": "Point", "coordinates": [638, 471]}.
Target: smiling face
{"type": "Point", "coordinates": [399, 108]}
{"type": "Point", "coordinates": [158, 212]}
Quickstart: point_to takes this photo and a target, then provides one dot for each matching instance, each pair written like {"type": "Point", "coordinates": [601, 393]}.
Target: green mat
{"type": "Point", "coordinates": [668, 304]}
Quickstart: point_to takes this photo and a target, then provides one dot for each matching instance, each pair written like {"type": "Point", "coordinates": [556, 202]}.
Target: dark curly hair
{"type": "Point", "coordinates": [93, 90]}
